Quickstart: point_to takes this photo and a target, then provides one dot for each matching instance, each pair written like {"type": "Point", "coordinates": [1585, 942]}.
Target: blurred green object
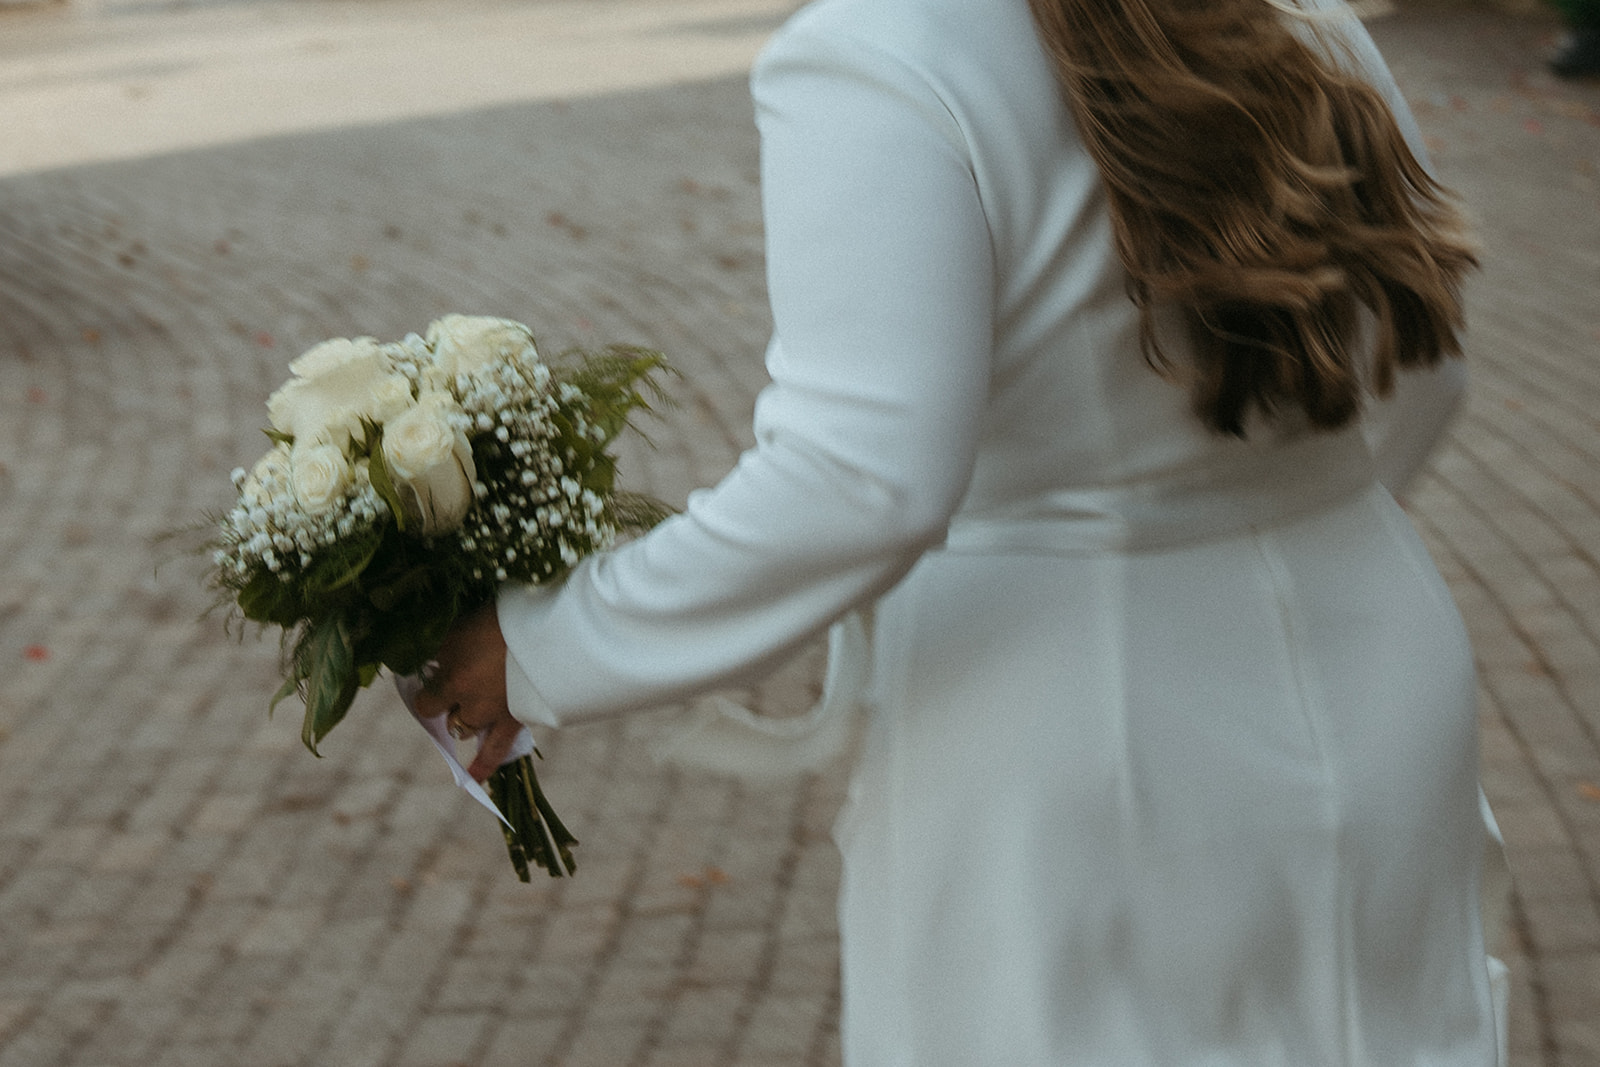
{"type": "Point", "coordinates": [1579, 13]}
{"type": "Point", "coordinates": [1578, 54]}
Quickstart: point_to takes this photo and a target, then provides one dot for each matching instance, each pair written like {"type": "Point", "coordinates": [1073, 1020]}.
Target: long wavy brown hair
{"type": "Point", "coordinates": [1264, 189]}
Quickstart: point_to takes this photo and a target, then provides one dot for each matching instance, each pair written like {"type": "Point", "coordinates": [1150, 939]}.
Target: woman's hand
{"type": "Point", "coordinates": [469, 686]}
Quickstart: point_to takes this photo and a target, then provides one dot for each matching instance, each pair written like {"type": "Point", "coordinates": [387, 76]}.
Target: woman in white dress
{"type": "Point", "coordinates": [1172, 754]}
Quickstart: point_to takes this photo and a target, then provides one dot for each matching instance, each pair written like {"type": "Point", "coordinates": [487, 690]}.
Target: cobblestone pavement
{"type": "Point", "coordinates": [192, 193]}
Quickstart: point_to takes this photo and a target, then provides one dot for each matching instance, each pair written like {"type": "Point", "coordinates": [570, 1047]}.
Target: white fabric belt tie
{"type": "Point", "coordinates": [1254, 490]}
{"type": "Point", "coordinates": [718, 735]}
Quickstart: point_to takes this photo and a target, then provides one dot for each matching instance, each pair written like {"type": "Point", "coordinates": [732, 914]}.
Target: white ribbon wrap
{"type": "Point", "coordinates": [408, 686]}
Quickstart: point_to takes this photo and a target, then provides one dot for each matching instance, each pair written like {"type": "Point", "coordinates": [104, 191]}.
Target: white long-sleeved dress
{"type": "Point", "coordinates": [1173, 757]}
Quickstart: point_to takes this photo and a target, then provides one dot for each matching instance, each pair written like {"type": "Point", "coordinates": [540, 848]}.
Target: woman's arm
{"type": "Point", "coordinates": [881, 280]}
{"type": "Point", "coordinates": [1404, 428]}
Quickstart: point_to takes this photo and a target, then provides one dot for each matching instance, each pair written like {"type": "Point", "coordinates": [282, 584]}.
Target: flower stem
{"type": "Point", "coordinates": [535, 835]}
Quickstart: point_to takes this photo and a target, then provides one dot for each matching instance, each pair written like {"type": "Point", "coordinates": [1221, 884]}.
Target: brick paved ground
{"type": "Point", "coordinates": [191, 193]}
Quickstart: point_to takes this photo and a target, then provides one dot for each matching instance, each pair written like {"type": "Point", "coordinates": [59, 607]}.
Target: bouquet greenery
{"type": "Point", "coordinates": [406, 481]}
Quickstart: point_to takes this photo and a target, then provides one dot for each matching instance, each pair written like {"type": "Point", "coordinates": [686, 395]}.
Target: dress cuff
{"type": "Point", "coordinates": [527, 704]}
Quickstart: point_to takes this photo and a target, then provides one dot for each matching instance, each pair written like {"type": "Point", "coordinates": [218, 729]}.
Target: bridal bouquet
{"type": "Point", "coordinates": [406, 481]}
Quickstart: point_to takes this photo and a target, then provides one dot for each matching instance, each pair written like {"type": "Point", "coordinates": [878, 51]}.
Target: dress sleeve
{"type": "Point", "coordinates": [1404, 428]}
{"type": "Point", "coordinates": [880, 275]}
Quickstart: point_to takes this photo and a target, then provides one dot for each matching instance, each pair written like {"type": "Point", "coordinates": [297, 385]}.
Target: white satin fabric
{"type": "Point", "coordinates": [1172, 755]}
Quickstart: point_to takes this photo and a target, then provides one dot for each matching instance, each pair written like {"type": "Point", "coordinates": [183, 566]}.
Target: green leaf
{"type": "Point", "coordinates": [404, 641]}
{"type": "Point", "coordinates": [285, 691]}
{"type": "Point", "coordinates": [267, 598]}
{"type": "Point", "coordinates": [330, 676]}
{"type": "Point", "coordinates": [342, 567]}
{"type": "Point", "coordinates": [387, 597]}
{"type": "Point", "coordinates": [636, 511]}
{"type": "Point", "coordinates": [278, 437]}
{"type": "Point", "coordinates": [602, 475]}
{"type": "Point", "coordinates": [381, 482]}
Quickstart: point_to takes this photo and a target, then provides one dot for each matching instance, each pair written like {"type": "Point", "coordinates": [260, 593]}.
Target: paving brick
{"type": "Point", "coordinates": [444, 1040]}
{"type": "Point", "coordinates": [704, 1019]}
{"type": "Point", "coordinates": [685, 1056]}
{"type": "Point", "coordinates": [783, 1028]}
{"type": "Point", "coordinates": [521, 1041]}
{"type": "Point", "coordinates": [605, 1046]}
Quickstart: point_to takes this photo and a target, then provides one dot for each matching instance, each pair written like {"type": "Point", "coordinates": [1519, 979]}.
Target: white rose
{"type": "Point", "coordinates": [320, 475]}
{"type": "Point", "coordinates": [270, 473]}
{"type": "Point", "coordinates": [430, 463]}
{"type": "Point", "coordinates": [336, 385]}
{"type": "Point", "coordinates": [390, 396]}
{"type": "Point", "coordinates": [341, 355]}
{"type": "Point", "coordinates": [466, 344]}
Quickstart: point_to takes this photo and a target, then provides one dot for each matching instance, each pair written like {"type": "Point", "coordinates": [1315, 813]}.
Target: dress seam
{"type": "Point", "coordinates": [1282, 584]}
